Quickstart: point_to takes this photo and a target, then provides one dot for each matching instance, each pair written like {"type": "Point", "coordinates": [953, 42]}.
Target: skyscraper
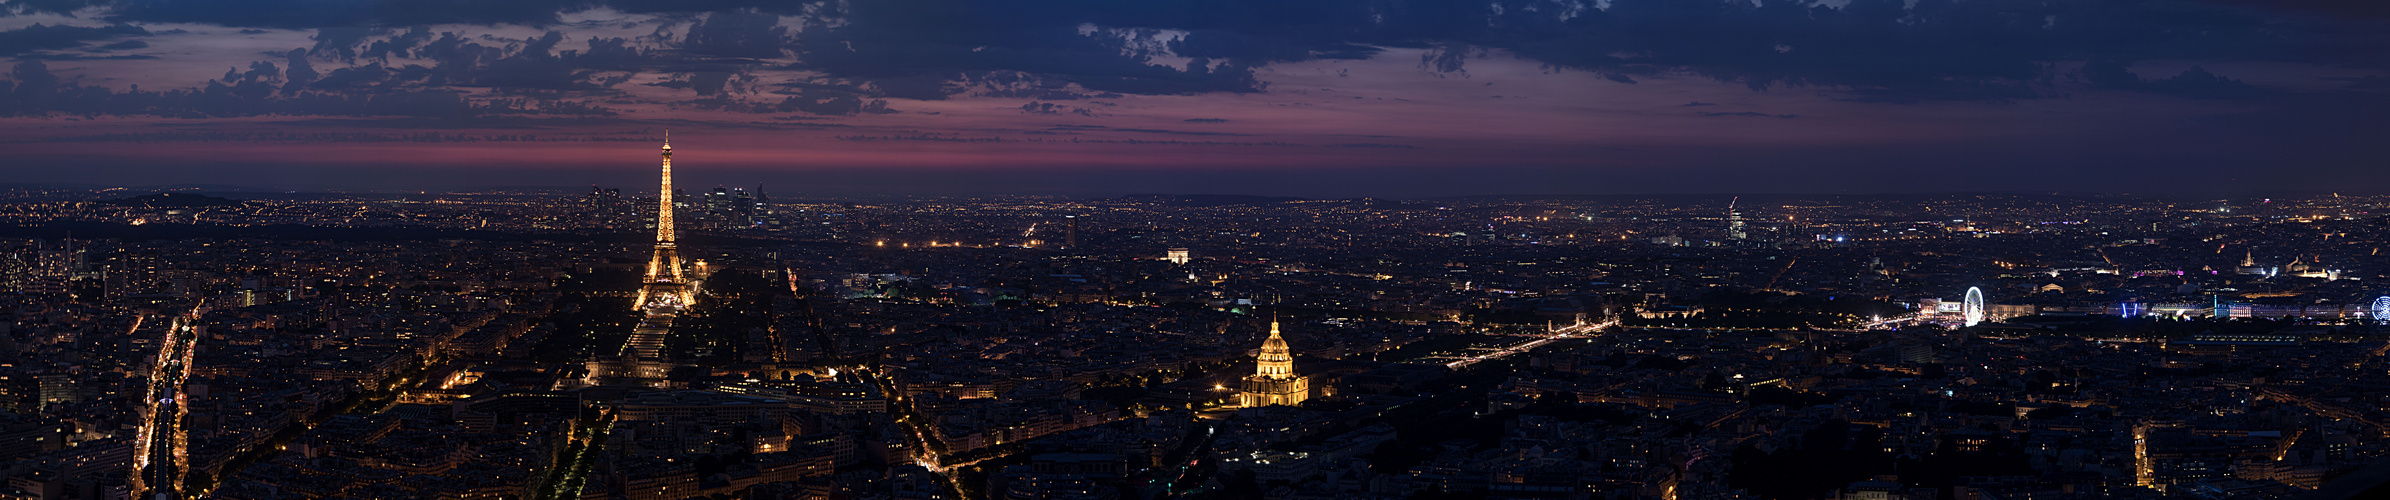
{"type": "Point", "coordinates": [1274, 382]}
{"type": "Point", "coordinates": [1072, 238]}
{"type": "Point", "coordinates": [717, 209]}
{"type": "Point", "coordinates": [605, 207]}
{"type": "Point", "coordinates": [665, 291]}
{"type": "Point", "coordinates": [1734, 221]}
{"type": "Point", "coordinates": [764, 218]}
{"type": "Point", "coordinates": [742, 209]}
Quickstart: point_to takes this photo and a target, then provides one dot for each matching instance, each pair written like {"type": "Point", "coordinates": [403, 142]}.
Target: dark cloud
{"type": "Point", "coordinates": [1890, 51]}
{"type": "Point", "coordinates": [927, 87]}
{"type": "Point", "coordinates": [1874, 50]}
{"type": "Point", "coordinates": [2333, 8]}
{"type": "Point", "coordinates": [829, 99]}
{"type": "Point", "coordinates": [124, 45]}
{"type": "Point", "coordinates": [1699, 103]}
{"type": "Point", "coordinates": [1014, 84]}
{"type": "Point", "coordinates": [1883, 50]}
{"type": "Point", "coordinates": [705, 82]}
{"type": "Point", "coordinates": [1074, 129]}
{"type": "Point", "coordinates": [40, 37]}
{"type": "Point", "coordinates": [54, 6]}
{"type": "Point", "coordinates": [1877, 50]}
{"type": "Point", "coordinates": [301, 73]}
{"type": "Point", "coordinates": [1751, 114]}
{"type": "Point", "coordinates": [1176, 132]}
{"type": "Point", "coordinates": [341, 41]}
{"type": "Point", "coordinates": [949, 40]}
{"type": "Point", "coordinates": [841, 105]}
{"type": "Point", "coordinates": [312, 14]}
{"type": "Point", "coordinates": [2367, 82]}
{"type": "Point", "coordinates": [1207, 120]}
{"type": "Point", "coordinates": [739, 34]}
{"type": "Point", "coordinates": [1047, 108]}
{"type": "Point", "coordinates": [1264, 48]}
{"type": "Point", "coordinates": [33, 91]}
{"type": "Point", "coordinates": [2195, 83]}
{"type": "Point", "coordinates": [902, 48]}
{"type": "Point", "coordinates": [401, 45]}
{"type": "Point", "coordinates": [60, 56]}
{"type": "Point", "coordinates": [353, 77]}
{"type": "Point", "coordinates": [519, 67]}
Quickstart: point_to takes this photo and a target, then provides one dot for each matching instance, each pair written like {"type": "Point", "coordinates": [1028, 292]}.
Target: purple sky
{"type": "Point", "coordinates": [1314, 98]}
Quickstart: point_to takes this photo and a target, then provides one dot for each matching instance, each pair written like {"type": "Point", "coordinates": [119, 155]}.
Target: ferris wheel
{"type": "Point", "coordinates": [2381, 308]}
{"type": "Point", "coordinates": [1972, 306]}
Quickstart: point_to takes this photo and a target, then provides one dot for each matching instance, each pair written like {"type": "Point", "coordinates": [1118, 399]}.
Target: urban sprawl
{"type": "Point", "coordinates": [543, 345]}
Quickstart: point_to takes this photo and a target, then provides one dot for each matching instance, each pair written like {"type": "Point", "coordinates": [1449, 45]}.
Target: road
{"type": "Point", "coordinates": [1891, 323]}
{"type": "Point", "coordinates": [588, 440]}
{"type": "Point", "coordinates": [1568, 332]}
{"type": "Point", "coordinates": [162, 459]}
{"type": "Point", "coordinates": [924, 455]}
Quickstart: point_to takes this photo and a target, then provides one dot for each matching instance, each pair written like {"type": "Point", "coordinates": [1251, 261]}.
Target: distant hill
{"type": "Point", "coordinates": [1237, 200]}
{"type": "Point", "coordinates": [1207, 200]}
{"type": "Point", "coordinates": [174, 200]}
{"type": "Point", "coordinates": [1386, 204]}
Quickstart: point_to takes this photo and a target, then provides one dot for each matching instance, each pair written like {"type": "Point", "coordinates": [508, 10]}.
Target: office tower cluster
{"type": "Point", "coordinates": [723, 209]}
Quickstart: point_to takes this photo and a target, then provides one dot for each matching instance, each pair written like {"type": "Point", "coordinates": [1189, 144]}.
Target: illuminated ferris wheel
{"type": "Point", "coordinates": [2381, 309]}
{"type": "Point", "coordinates": [1972, 306]}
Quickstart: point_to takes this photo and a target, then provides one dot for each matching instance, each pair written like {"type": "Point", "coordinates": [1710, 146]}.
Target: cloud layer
{"type": "Point", "coordinates": [421, 52]}
{"type": "Point", "coordinates": [945, 70]}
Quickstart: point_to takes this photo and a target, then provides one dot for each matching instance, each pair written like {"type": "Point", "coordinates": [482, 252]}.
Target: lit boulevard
{"type": "Point", "coordinates": [162, 461]}
{"type": "Point", "coordinates": [1562, 333]}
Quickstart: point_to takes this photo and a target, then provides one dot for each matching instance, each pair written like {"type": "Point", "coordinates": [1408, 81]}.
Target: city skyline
{"type": "Point", "coordinates": [728, 343]}
{"type": "Point", "coordinates": [1195, 250]}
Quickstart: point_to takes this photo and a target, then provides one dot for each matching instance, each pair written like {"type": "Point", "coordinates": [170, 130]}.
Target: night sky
{"type": "Point", "coordinates": [1324, 98]}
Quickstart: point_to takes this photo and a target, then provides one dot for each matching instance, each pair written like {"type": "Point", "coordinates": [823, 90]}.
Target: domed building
{"type": "Point", "coordinates": [1274, 382]}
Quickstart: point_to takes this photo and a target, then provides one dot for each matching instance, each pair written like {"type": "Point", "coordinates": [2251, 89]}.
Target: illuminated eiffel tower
{"type": "Point", "coordinates": [666, 290]}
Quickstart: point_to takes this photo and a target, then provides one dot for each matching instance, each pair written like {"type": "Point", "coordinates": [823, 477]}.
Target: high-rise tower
{"type": "Point", "coordinates": [1274, 382]}
{"type": "Point", "coordinates": [1734, 221]}
{"type": "Point", "coordinates": [665, 290]}
{"type": "Point", "coordinates": [1072, 240]}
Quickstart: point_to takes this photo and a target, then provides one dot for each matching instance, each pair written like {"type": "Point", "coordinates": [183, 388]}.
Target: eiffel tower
{"type": "Point", "coordinates": [666, 291]}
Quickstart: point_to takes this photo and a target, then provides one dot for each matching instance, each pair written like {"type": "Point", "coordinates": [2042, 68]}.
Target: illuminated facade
{"type": "Point", "coordinates": [665, 290]}
{"type": "Point", "coordinates": [1177, 256]}
{"type": "Point", "coordinates": [1274, 382]}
